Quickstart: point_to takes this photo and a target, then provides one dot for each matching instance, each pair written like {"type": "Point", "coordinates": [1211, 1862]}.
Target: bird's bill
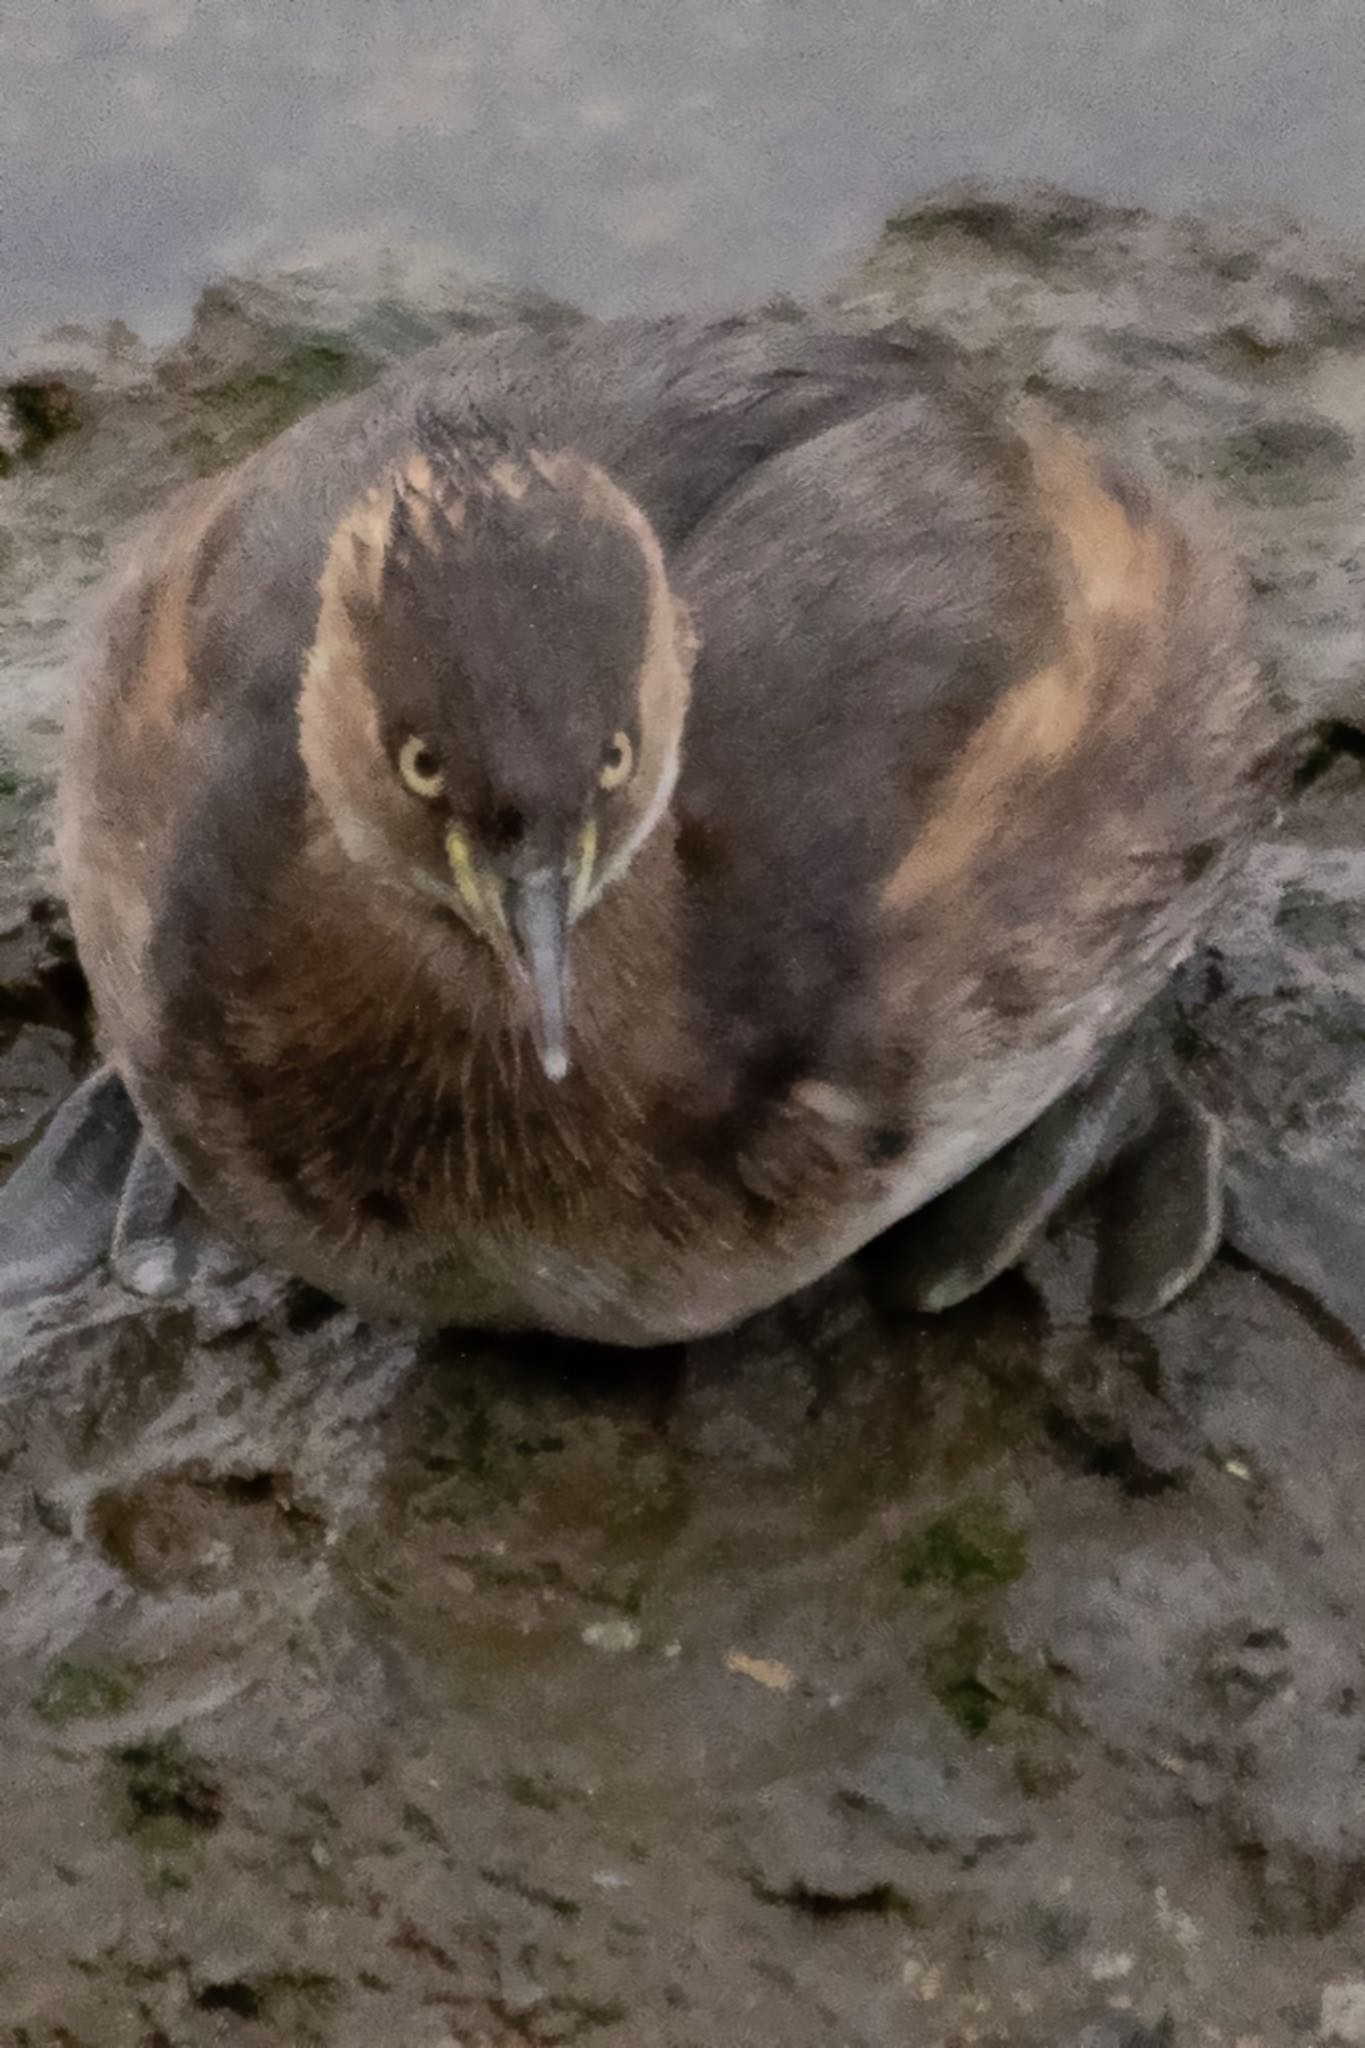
{"type": "Point", "coordinates": [537, 912]}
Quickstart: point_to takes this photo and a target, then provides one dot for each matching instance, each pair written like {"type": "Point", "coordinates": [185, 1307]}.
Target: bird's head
{"type": "Point", "coordinates": [493, 706]}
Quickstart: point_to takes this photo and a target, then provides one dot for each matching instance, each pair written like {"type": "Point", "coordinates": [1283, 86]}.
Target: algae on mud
{"type": "Point", "coordinates": [310, 1733]}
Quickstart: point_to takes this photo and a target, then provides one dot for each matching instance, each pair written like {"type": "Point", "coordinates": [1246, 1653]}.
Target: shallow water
{"type": "Point", "coordinates": [624, 156]}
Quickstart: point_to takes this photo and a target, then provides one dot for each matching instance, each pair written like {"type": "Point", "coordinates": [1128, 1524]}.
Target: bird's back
{"type": "Point", "coordinates": [974, 740]}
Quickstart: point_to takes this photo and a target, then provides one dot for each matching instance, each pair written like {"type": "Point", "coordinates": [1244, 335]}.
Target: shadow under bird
{"type": "Point", "coordinates": [598, 828]}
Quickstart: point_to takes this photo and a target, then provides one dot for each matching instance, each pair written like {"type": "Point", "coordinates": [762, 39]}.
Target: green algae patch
{"type": "Point", "coordinates": [169, 1795]}
{"type": "Point", "coordinates": [243, 409]}
{"type": "Point", "coordinates": [976, 1679]}
{"type": "Point", "coordinates": [308, 374]}
{"type": "Point", "coordinates": [74, 1690]}
{"type": "Point", "coordinates": [968, 1551]}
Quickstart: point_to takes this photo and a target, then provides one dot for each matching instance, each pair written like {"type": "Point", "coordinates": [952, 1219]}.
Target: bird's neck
{"type": "Point", "coordinates": [628, 1014]}
{"type": "Point", "coordinates": [628, 965]}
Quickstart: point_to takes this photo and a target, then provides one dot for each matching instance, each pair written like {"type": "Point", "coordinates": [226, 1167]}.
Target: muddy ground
{"type": "Point", "coordinates": [846, 1682]}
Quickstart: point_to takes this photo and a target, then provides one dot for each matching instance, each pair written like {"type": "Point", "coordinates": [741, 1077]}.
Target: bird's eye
{"type": "Point", "coordinates": [617, 762]}
{"type": "Point", "coordinates": [420, 768]}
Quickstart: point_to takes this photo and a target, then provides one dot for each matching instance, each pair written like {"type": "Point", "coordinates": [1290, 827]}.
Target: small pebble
{"type": "Point", "coordinates": [613, 1637]}
{"type": "Point", "coordinates": [763, 1671]}
{"type": "Point", "coordinates": [1173, 1921]}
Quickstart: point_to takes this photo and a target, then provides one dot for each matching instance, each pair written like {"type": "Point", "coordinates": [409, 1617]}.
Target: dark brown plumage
{"type": "Point", "coordinates": [860, 885]}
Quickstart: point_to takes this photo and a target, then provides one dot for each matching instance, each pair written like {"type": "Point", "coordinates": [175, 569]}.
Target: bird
{"type": "Point", "coordinates": [595, 830]}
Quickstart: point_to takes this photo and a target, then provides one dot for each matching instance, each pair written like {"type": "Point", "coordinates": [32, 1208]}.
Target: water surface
{"type": "Point", "coordinates": [627, 155]}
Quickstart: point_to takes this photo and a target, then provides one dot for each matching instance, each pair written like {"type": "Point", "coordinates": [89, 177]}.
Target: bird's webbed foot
{"type": "Point", "coordinates": [95, 1188]}
{"type": "Point", "coordinates": [59, 1208]}
{"type": "Point", "coordinates": [1128, 1152]}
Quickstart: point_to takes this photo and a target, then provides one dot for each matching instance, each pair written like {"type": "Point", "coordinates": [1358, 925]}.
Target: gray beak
{"type": "Point", "coordinates": [538, 918]}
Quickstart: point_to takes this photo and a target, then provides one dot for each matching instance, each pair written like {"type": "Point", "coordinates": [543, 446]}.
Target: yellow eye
{"type": "Point", "coordinates": [420, 768]}
{"type": "Point", "coordinates": [617, 762]}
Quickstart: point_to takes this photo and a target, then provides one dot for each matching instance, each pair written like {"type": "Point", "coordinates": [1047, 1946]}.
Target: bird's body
{"type": "Point", "coordinates": [971, 745]}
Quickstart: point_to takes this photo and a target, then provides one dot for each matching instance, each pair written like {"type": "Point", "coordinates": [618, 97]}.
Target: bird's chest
{"type": "Point", "coordinates": [647, 1198]}
{"type": "Point", "coordinates": [454, 1181]}
{"type": "Point", "coordinates": [393, 1137]}
{"type": "Point", "coordinates": [484, 1143]}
